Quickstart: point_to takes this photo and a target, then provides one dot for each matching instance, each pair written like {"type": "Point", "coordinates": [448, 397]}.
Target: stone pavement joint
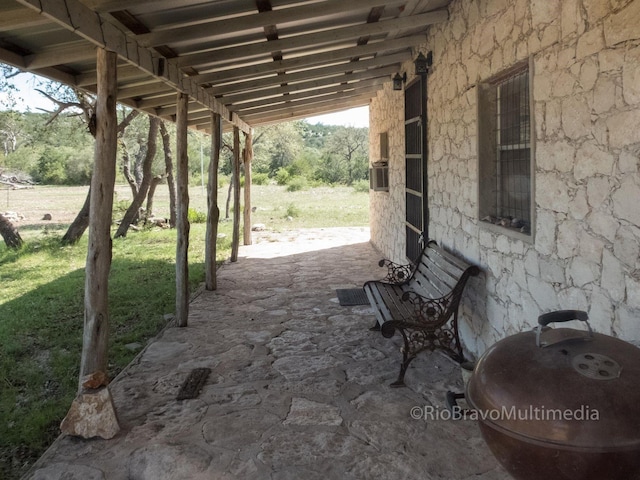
{"type": "Point", "coordinates": [299, 386]}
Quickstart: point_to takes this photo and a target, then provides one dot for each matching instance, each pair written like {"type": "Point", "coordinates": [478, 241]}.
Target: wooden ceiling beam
{"type": "Point", "coordinates": [20, 18]}
{"type": "Point", "coordinates": [352, 32]}
{"type": "Point", "coordinates": [286, 104]}
{"type": "Point", "coordinates": [59, 56]}
{"type": "Point", "coordinates": [90, 25]}
{"type": "Point", "coordinates": [385, 72]}
{"type": "Point", "coordinates": [288, 116]}
{"type": "Point", "coordinates": [335, 55]}
{"type": "Point", "coordinates": [341, 68]}
{"type": "Point", "coordinates": [307, 94]}
{"type": "Point", "coordinates": [258, 20]}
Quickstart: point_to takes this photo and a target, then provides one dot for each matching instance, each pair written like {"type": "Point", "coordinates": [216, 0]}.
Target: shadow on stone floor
{"type": "Point", "coordinates": [299, 387]}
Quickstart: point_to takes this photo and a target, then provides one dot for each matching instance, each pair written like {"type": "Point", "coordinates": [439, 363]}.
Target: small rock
{"type": "Point", "coordinates": [47, 216]}
{"type": "Point", "coordinates": [91, 415]}
{"type": "Point", "coordinates": [289, 219]}
{"type": "Point", "coordinates": [258, 227]}
{"type": "Point", "coordinates": [133, 347]}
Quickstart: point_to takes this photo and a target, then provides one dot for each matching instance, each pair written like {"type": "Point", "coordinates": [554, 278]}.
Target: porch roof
{"type": "Point", "coordinates": [253, 61]}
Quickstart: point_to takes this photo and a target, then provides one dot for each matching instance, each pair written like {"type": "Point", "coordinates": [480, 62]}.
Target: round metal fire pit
{"type": "Point", "coordinates": [560, 403]}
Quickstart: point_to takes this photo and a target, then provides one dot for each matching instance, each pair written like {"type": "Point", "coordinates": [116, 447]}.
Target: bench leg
{"type": "Point", "coordinates": [406, 360]}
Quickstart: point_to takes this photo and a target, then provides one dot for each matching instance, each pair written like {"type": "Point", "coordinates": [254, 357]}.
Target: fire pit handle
{"type": "Point", "coordinates": [561, 316]}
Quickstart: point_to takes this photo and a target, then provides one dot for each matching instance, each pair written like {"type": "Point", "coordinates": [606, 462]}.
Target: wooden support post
{"type": "Point", "coordinates": [96, 298]}
{"type": "Point", "coordinates": [182, 209]}
{"type": "Point", "coordinates": [213, 213]}
{"type": "Point", "coordinates": [236, 194]}
{"type": "Point", "coordinates": [248, 157]}
{"type": "Point", "coordinates": [92, 413]}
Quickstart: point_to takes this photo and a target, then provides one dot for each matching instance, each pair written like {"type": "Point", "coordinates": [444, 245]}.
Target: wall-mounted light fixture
{"type": "Point", "coordinates": [423, 63]}
{"type": "Point", "coordinates": [399, 81]}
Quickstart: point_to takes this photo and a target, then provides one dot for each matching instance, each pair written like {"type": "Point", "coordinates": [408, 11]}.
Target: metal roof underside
{"type": "Point", "coordinates": [255, 62]}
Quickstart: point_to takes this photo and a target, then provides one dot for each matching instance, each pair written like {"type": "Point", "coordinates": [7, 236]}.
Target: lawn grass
{"type": "Point", "coordinates": [41, 306]}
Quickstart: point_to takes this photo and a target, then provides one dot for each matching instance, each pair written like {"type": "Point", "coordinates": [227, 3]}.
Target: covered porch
{"type": "Point", "coordinates": [299, 386]}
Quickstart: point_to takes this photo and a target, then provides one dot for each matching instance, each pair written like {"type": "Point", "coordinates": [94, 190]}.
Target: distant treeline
{"type": "Point", "coordinates": [60, 152]}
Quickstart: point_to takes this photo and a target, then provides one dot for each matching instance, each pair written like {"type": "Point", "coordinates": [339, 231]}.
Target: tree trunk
{"type": "Point", "coordinates": [213, 214]}
{"type": "Point", "coordinates": [229, 190]}
{"type": "Point", "coordinates": [79, 224]}
{"type": "Point", "coordinates": [182, 217]}
{"type": "Point", "coordinates": [10, 233]}
{"type": "Point", "coordinates": [248, 156]}
{"type": "Point", "coordinates": [168, 162]}
{"type": "Point", "coordinates": [96, 299]}
{"type": "Point", "coordinates": [235, 242]}
{"type": "Point", "coordinates": [132, 212]}
{"type": "Point", "coordinates": [155, 181]}
{"type": "Point", "coordinates": [126, 169]}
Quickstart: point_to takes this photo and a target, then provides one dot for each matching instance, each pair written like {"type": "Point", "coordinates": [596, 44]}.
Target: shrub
{"type": "Point", "coordinates": [361, 186]}
{"type": "Point", "coordinates": [260, 179]}
{"type": "Point", "coordinates": [292, 211]}
{"type": "Point", "coordinates": [282, 176]}
{"type": "Point", "coordinates": [194, 216]}
{"type": "Point", "coordinates": [296, 183]}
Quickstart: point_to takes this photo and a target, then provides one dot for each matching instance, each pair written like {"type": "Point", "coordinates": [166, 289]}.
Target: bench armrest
{"type": "Point", "coordinates": [396, 273]}
{"type": "Point", "coordinates": [429, 312]}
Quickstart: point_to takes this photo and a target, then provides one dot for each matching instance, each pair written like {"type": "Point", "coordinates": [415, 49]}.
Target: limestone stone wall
{"type": "Point", "coordinates": [584, 252]}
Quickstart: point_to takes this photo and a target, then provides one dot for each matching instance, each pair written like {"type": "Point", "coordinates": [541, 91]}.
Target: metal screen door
{"type": "Point", "coordinates": [415, 163]}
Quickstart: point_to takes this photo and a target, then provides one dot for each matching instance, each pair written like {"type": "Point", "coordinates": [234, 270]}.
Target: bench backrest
{"type": "Point", "coordinates": [438, 272]}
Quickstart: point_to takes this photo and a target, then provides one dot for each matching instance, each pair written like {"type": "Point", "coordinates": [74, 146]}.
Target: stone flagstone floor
{"type": "Point", "coordinates": [299, 387]}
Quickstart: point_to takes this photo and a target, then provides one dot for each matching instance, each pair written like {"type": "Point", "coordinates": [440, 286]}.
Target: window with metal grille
{"type": "Point", "coordinates": [504, 124]}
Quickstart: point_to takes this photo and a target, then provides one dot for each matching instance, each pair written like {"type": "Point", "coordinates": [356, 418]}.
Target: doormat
{"type": "Point", "coordinates": [193, 383]}
{"type": "Point", "coordinates": [352, 296]}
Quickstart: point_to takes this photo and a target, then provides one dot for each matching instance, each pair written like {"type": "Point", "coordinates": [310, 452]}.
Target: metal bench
{"type": "Point", "coordinates": [421, 301]}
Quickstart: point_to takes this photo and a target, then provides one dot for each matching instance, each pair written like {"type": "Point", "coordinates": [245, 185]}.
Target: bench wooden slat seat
{"type": "Point", "coordinates": [421, 301]}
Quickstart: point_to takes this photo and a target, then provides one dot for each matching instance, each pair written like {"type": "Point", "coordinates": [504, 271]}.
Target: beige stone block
{"type": "Point", "coordinates": [598, 191]}
{"type": "Point", "coordinates": [601, 313]}
{"type": "Point", "coordinates": [591, 248]}
{"type": "Point", "coordinates": [576, 117]}
{"type": "Point", "coordinates": [604, 95]}
{"type": "Point", "coordinates": [626, 247]}
{"type": "Point", "coordinates": [553, 117]}
{"type": "Point", "coordinates": [551, 192]}
{"type": "Point", "coordinates": [588, 74]}
{"type": "Point", "coordinates": [578, 207]}
{"type": "Point", "coordinates": [623, 25]}
{"type": "Point", "coordinates": [631, 77]}
{"type": "Point", "coordinates": [592, 160]}
{"type": "Point", "coordinates": [563, 84]}
{"type": "Point", "coordinates": [590, 42]}
{"type": "Point", "coordinates": [603, 224]}
{"type": "Point", "coordinates": [582, 272]}
{"type": "Point", "coordinates": [625, 201]}
{"type": "Point", "coordinates": [629, 162]}
{"type": "Point", "coordinates": [545, 233]}
{"type": "Point", "coordinates": [550, 36]}
{"type": "Point", "coordinates": [596, 10]}
{"type": "Point", "coordinates": [571, 19]}
{"type": "Point", "coordinates": [612, 276]}
{"type": "Point", "coordinates": [611, 59]}
{"type": "Point", "coordinates": [568, 239]}
{"type": "Point", "coordinates": [633, 291]}
{"type": "Point", "coordinates": [626, 324]}
{"type": "Point", "coordinates": [544, 12]}
{"type": "Point", "coordinates": [623, 128]}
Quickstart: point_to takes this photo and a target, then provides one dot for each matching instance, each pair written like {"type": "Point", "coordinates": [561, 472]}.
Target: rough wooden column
{"type": "Point", "coordinates": [92, 413]}
{"type": "Point", "coordinates": [182, 209]}
{"type": "Point", "coordinates": [213, 213]}
{"type": "Point", "coordinates": [248, 157]}
{"type": "Point", "coordinates": [236, 194]}
{"type": "Point", "coordinates": [96, 298]}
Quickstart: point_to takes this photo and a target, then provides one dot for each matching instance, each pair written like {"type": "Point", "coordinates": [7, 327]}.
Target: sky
{"type": "Point", "coordinates": [355, 117]}
{"type": "Point", "coordinates": [29, 99]}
